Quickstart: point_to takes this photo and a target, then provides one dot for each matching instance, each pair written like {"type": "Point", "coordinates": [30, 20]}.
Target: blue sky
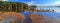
{"type": "Point", "coordinates": [20, 0]}
{"type": "Point", "coordinates": [36, 1]}
{"type": "Point", "coordinates": [39, 2]}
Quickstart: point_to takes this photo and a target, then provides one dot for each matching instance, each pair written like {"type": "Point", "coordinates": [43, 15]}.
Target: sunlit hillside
{"type": "Point", "coordinates": [12, 6]}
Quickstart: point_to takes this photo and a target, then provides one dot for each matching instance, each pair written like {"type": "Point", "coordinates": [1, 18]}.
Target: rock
{"type": "Point", "coordinates": [49, 20]}
{"type": "Point", "coordinates": [35, 18]}
{"type": "Point", "coordinates": [17, 17]}
{"type": "Point", "coordinates": [14, 15]}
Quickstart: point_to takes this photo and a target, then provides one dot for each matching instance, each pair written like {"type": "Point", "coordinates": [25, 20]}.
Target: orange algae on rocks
{"type": "Point", "coordinates": [14, 15]}
{"type": "Point", "coordinates": [17, 17]}
{"type": "Point", "coordinates": [35, 18]}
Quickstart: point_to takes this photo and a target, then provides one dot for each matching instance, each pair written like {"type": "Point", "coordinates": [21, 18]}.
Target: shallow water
{"type": "Point", "coordinates": [56, 9]}
{"type": "Point", "coordinates": [49, 14]}
{"type": "Point", "coordinates": [53, 15]}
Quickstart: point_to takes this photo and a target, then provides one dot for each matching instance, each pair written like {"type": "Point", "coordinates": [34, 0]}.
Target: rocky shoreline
{"type": "Point", "coordinates": [20, 18]}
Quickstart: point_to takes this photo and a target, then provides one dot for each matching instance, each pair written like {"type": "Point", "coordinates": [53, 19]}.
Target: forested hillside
{"type": "Point", "coordinates": [12, 6]}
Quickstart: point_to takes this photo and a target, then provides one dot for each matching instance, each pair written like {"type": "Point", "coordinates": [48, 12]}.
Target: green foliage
{"type": "Point", "coordinates": [12, 6]}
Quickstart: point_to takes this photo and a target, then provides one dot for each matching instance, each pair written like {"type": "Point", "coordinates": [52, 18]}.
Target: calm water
{"type": "Point", "coordinates": [54, 15]}
{"type": "Point", "coordinates": [56, 9]}
{"type": "Point", "coordinates": [49, 14]}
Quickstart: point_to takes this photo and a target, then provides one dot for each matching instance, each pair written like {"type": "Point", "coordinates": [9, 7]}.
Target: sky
{"type": "Point", "coordinates": [39, 2]}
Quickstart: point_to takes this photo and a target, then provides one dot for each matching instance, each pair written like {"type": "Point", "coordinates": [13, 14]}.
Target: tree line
{"type": "Point", "coordinates": [12, 6]}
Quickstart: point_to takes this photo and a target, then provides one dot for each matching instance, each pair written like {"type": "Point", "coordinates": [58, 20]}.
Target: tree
{"type": "Point", "coordinates": [13, 6]}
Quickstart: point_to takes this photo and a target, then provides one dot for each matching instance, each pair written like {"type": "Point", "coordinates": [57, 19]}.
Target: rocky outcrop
{"type": "Point", "coordinates": [17, 17]}
{"type": "Point", "coordinates": [14, 15]}
{"type": "Point", "coordinates": [20, 18]}
{"type": "Point", "coordinates": [35, 18]}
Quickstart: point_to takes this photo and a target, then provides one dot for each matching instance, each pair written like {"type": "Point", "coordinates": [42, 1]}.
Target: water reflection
{"type": "Point", "coordinates": [56, 9]}
{"type": "Point", "coordinates": [54, 16]}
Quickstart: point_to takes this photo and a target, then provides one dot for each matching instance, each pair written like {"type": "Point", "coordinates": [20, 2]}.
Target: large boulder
{"type": "Point", "coordinates": [14, 17]}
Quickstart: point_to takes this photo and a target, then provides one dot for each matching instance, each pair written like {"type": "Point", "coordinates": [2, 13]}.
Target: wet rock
{"type": "Point", "coordinates": [16, 17]}
{"type": "Point", "coordinates": [35, 18]}
{"type": "Point", "coordinates": [49, 20]}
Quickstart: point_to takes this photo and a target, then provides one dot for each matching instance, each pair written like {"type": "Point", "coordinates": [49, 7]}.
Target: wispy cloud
{"type": "Point", "coordinates": [56, 3]}
{"type": "Point", "coordinates": [46, 4]}
{"type": "Point", "coordinates": [31, 2]}
{"type": "Point", "coordinates": [52, 4]}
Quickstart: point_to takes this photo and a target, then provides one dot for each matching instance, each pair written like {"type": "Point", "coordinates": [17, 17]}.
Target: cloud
{"type": "Point", "coordinates": [57, 3]}
{"type": "Point", "coordinates": [52, 4]}
{"type": "Point", "coordinates": [31, 2]}
{"type": "Point", "coordinates": [3, 0]}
